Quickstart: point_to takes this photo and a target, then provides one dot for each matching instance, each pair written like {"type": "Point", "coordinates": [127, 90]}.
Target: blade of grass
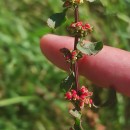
{"type": "Point", "coordinates": [6, 102]}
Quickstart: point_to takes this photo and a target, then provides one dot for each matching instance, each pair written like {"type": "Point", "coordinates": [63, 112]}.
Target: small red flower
{"type": "Point", "coordinates": [83, 89]}
{"type": "Point", "coordinates": [68, 95]}
{"type": "Point", "coordinates": [87, 26]}
{"type": "Point", "coordinates": [81, 104]}
{"type": "Point", "coordinates": [82, 97]}
{"type": "Point", "coordinates": [67, 57]}
{"type": "Point", "coordinates": [73, 25]}
{"type": "Point", "coordinates": [74, 53]}
{"type": "Point", "coordinates": [74, 91]}
{"type": "Point", "coordinates": [83, 28]}
{"type": "Point", "coordinates": [78, 24]}
{"type": "Point", "coordinates": [86, 94]}
{"type": "Point", "coordinates": [75, 96]}
{"type": "Point", "coordinates": [90, 101]}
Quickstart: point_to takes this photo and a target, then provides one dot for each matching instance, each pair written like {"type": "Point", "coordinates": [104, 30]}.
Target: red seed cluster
{"type": "Point", "coordinates": [73, 56]}
{"type": "Point", "coordinates": [79, 29]}
{"type": "Point", "coordinates": [82, 96]}
{"type": "Point", "coordinates": [79, 25]}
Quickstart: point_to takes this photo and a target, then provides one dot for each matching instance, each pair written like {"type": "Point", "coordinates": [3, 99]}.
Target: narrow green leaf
{"type": "Point", "coordinates": [56, 19]}
{"type": "Point", "coordinates": [67, 82]}
{"type": "Point", "coordinates": [6, 102]}
{"type": "Point", "coordinates": [77, 125]}
{"type": "Point", "coordinates": [90, 48]}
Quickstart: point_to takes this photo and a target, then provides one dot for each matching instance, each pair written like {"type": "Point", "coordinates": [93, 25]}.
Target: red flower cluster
{"type": "Point", "coordinates": [79, 29]}
{"type": "Point", "coordinates": [81, 26]}
{"type": "Point", "coordinates": [82, 96]}
{"type": "Point", "coordinates": [72, 56]}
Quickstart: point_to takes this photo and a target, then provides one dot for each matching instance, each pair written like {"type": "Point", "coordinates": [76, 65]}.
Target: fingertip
{"type": "Point", "coordinates": [51, 44]}
{"type": "Point", "coordinates": [44, 40]}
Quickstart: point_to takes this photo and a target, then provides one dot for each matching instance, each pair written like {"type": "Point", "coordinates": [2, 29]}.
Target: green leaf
{"type": "Point", "coordinates": [75, 113]}
{"type": "Point", "coordinates": [65, 51]}
{"type": "Point", "coordinates": [56, 19]}
{"type": "Point", "coordinates": [90, 48]}
{"type": "Point", "coordinates": [112, 98]}
{"type": "Point", "coordinates": [6, 102]}
{"type": "Point", "coordinates": [110, 101]}
{"type": "Point", "coordinates": [77, 125]}
{"type": "Point", "coordinates": [98, 46]}
{"type": "Point", "coordinates": [67, 83]}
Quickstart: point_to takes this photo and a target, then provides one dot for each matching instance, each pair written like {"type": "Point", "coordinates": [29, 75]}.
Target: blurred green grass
{"type": "Point", "coordinates": [30, 98]}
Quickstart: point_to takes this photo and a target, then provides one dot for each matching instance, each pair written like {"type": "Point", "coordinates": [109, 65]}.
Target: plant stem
{"type": "Point", "coordinates": [76, 16]}
{"type": "Point", "coordinates": [76, 72]}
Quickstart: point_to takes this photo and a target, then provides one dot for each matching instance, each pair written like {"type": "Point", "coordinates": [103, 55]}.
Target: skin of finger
{"type": "Point", "coordinates": [109, 68]}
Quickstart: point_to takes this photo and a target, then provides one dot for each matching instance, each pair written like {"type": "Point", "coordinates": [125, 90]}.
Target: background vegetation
{"type": "Point", "coordinates": [30, 97]}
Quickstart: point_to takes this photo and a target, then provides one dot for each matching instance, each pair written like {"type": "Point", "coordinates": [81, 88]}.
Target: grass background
{"type": "Point", "coordinates": [30, 98]}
